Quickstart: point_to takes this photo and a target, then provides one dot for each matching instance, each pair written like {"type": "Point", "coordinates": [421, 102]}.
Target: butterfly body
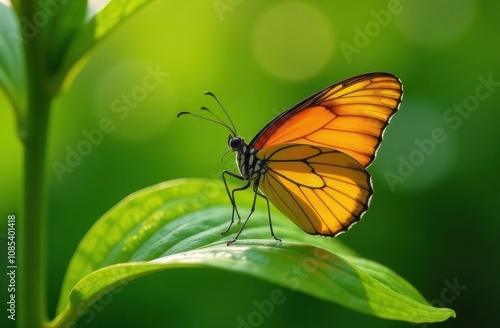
{"type": "Point", "coordinates": [249, 166]}
{"type": "Point", "coordinates": [310, 161]}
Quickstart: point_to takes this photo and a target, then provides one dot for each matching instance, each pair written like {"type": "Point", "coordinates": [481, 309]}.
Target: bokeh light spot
{"type": "Point", "coordinates": [435, 22]}
{"type": "Point", "coordinates": [293, 40]}
{"type": "Point", "coordinates": [135, 101]}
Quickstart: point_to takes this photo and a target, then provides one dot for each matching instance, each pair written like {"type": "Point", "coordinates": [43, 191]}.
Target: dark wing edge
{"type": "Point", "coordinates": [260, 139]}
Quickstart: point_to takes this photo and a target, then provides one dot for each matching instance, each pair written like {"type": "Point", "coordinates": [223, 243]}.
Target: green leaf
{"type": "Point", "coordinates": [96, 27]}
{"type": "Point", "coordinates": [11, 60]}
{"type": "Point", "coordinates": [177, 224]}
{"type": "Point", "coordinates": [67, 19]}
{"type": "Point", "coordinates": [68, 37]}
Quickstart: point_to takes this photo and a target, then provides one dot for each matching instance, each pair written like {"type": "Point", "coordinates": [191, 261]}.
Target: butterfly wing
{"type": "Point", "coordinates": [349, 116]}
{"type": "Point", "coordinates": [322, 190]}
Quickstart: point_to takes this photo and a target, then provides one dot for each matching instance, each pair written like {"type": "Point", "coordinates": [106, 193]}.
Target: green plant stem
{"type": "Point", "coordinates": [32, 230]}
{"type": "Point", "coordinates": [32, 307]}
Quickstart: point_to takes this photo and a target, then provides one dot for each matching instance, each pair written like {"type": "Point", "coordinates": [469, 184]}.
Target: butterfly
{"type": "Point", "coordinates": [310, 161]}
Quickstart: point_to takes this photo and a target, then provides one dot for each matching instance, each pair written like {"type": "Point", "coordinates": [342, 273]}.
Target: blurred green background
{"type": "Point", "coordinates": [433, 219]}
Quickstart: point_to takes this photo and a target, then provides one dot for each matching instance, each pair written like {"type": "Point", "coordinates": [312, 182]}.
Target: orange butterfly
{"type": "Point", "coordinates": [311, 160]}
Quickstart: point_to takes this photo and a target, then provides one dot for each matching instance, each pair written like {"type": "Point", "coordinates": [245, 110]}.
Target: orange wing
{"type": "Point", "coordinates": [349, 116]}
{"type": "Point", "coordinates": [322, 190]}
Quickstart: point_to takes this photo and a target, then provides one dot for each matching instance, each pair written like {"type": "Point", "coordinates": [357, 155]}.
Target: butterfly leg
{"type": "Point", "coordinates": [257, 192]}
{"type": "Point", "coordinates": [229, 242]}
{"type": "Point", "coordinates": [231, 196]}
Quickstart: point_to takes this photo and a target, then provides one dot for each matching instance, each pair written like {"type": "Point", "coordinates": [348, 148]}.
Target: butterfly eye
{"type": "Point", "coordinates": [234, 143]}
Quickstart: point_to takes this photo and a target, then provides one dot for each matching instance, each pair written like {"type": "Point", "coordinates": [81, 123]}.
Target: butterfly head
{"type": "Point", "coordinates": [235, 143]}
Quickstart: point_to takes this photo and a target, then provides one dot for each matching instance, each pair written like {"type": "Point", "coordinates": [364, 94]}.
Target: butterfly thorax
{"type": "Point", "coordinates": [250, 167]}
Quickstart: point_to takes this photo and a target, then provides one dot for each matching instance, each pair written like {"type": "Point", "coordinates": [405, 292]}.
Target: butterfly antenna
{"type": "Point", "coordinates": [206, 119]}
{"type": "Point", "coordinates": [217, 118]}
{"type": "Point", "coordinates": [208, 93]}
